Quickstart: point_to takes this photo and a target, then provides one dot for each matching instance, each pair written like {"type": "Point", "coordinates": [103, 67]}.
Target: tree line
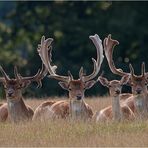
{"type": "Point", "coordinates": [70, 23]}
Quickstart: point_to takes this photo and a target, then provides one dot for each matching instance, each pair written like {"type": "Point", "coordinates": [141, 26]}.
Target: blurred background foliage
{"type": "Point", "coordinates": [22, 25]}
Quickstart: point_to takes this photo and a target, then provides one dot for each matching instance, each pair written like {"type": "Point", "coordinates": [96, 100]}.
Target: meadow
{"type": "Point", "coordinates": [74, 133]}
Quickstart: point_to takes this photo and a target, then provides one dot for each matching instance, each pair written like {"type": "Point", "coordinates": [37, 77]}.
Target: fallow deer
{"type": "Point", "coordinates": [76, 106]}
{"type": "Point", "coordinates": [16, 108]}
{"type": "Point", "coordinates": [117, 111]}
{"type": "Point", "coordinates": [139, 101]}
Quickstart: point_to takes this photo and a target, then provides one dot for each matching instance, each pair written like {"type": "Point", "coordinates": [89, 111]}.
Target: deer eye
{"type": "Point", "coordinates": [131, 84]}
{"type": "Point", "coordinates": [109, 86]}
{"type": "Point", "coordinates": [21, 85]}
{"type": "Point", "coordinates": [121, 85]}
{"type": "Point", "coordinates": [69, 89]}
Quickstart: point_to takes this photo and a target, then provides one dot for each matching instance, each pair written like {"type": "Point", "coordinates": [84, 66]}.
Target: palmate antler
{"type": "Point", "coordinates": [109, 45]}
{"type": "Point", "coordinates": [46, 47]}
{"type": "Point", "coordinates": [43, 49]}
{"type": "Point", "coordinates": [97, 63]}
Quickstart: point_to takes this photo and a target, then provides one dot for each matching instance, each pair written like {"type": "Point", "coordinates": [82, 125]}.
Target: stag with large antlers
{"type": "Point", "coordinates": [76, 106]}
{"type": "Point", "coordinates": [117, 111]}
{"type": "Point", "coordinates": [15, 108]}
{"type": "Point", "coordinates": [139, 102]}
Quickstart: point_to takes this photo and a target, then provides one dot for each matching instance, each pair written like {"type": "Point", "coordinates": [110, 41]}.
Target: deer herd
{"type": "Point", "coordinates": [125, 106]}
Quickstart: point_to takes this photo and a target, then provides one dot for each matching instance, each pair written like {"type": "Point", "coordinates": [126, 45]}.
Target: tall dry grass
{"type": "Point", "coordinates": [74, 133]}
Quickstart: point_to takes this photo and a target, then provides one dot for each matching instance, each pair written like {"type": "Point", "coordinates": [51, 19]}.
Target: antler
{"type": "Point", "coordinates": [5, 76]}
{"type": "Point", "coordinates": [43, 49]}
{"type": "Point", "coordinates": [46, 47]}
{"type": "Point", "coordinates": [143, 69]}
{"type": "Point", "coordinates": [143, 73]}
{"type": "Point", "coordinates": [109, 45]}
{"type": "Point", "coordinates": [97, 63]}
{"type": "Point", "coordinates": [37, 77]}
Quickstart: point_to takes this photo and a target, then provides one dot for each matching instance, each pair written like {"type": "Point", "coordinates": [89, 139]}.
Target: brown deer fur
{"type": "Point", "coordinates": [75, 107]}
{"type": "Point", "coordinates": [117, 111]}
{"type": "Point", "coordinates": [3, 112]}
{"type": "Point", "coordinates": [42, 110]}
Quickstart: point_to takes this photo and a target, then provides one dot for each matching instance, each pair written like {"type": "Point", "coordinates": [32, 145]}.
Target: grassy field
{"type": "Point", "coordinates": [72, 133]}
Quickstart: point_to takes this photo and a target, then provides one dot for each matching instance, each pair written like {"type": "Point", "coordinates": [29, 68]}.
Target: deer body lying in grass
{"type": "Point", "coordinates": [139, 101]}
{"type": "Point", "coordinates": [117, 111]}
{"type": "Point", "coordinates": [75, 107]}
{"type": "Point", "coordinates": [3, 112]}
{"type": "Point", "coordinates": [16, 109]}
{"type": "Point", "coordinates": [41, 112]}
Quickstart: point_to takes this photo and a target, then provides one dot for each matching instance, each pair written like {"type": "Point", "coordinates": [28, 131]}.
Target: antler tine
{"type": "Point", "coordinates": [43, 49]}
{"type": "Point", "coordinates": [109, 45]}
{"type": "Point", "coordinates": [6, 77]}
{"type": "Point", "coordinates": [17, 75]}
{"type": "Point", "coordinates": [41, 73]}
{"type": "Point", "coordinates": [70, 75]}
{"type": "Point", "coordinates": [143, 69]}
{"type": "Point", "coordinates": [101, 75]}
{"type": "Point", "coordinates": [97, 63]}
{"type": "Point", "coordinates": [81, 72]}
{"type": "Point", "coordinates": [131, 70]}
{"type": "Point", "coordinates": [45, 44]}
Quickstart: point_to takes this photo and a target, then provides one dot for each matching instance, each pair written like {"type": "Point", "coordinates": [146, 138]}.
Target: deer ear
{"type": "Point", "coordinates": [125, 79]}
{"type": "Point", "coordinates": [64, 85]}
{"type": "Point", "coordinates": [89, 84]}
{"type": "Point", "coordinates": [103, 81]}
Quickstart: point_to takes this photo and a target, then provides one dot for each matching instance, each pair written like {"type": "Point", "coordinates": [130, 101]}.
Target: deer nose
{"type": "Point", "coordinates": [117, 91]}
{"type": "Point", "coordinates": [10, 94]}
{"type": "Point", "coordinates": [79, 97]}
{"type": "Point", "coordinates": [138, 91]}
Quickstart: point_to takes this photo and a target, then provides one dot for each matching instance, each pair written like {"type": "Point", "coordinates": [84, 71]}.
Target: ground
{"type": "Point", "coordinates": [70, 133]}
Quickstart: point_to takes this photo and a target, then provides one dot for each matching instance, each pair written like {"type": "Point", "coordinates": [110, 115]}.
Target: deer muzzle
{"type": "Point", "coordinates": [10, 92]}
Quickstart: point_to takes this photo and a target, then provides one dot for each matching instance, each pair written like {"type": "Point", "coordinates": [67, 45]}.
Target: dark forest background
{"type": "Point", "coordinates": [22, 25]}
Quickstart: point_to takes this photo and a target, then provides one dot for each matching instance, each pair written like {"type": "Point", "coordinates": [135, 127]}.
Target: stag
{"type": "Point", "coordinates": [16, 109]}
{"type": "Point", "coordinates": [76, 107]}
{"type": "Point", "coordinates": [139, 101]}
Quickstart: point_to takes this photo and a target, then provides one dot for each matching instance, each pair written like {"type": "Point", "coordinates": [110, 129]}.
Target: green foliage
{"type": "Point", "coordinates": [70, 23]}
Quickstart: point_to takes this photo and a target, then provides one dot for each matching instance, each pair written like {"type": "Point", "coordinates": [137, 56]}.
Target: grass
{"type": "Point", "coordinates": [74, 133]}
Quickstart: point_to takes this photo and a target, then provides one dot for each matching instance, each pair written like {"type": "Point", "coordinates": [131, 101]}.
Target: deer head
{"type": "Point", "coordinates": [14, 86]}
{"type": "Point", "coordinates": [115, 86]}
{"type": "Point", "coordinates": [138, 83]}
{"type": "Point", "coordinates": [76, 87]}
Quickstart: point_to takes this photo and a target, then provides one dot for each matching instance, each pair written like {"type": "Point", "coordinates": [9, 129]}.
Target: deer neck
{"type": "Point", "coordinates": [116, 108]}
{"type": "Point", "coordinates": [77, 108]}
{"type": "Point", "coordinates": [17, 110]}
{"type": "Point", "coordinates": [141, 104]}
{"type": "Point", "coordinates": [146, 100]}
